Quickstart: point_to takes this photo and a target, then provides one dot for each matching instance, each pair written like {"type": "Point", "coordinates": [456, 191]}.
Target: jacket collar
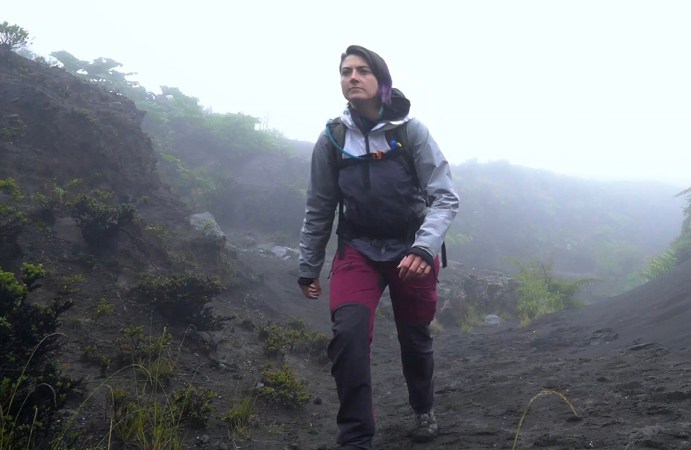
{"type": "Point", "coordinates": [391, 115]}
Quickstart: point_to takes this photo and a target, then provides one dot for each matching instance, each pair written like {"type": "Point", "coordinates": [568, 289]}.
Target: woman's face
{"type": "Point", "coordinates": [358, 83]}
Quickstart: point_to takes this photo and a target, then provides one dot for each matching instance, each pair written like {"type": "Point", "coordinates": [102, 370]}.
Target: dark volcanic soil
{"type": "Point", "coordinates": [610, 376]}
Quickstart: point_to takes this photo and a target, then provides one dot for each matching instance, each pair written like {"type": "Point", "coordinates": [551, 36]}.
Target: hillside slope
{"type": "Point", "coordinates": [623, 364]}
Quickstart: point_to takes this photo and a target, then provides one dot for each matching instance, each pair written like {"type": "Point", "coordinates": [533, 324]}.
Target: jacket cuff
{"type": "Point", "coordinates": [422, 254]}
{"type": "Point", "coordinates": [304, 281]}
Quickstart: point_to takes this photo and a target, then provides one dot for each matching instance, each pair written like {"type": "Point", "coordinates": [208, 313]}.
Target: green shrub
{"type": "Point", "coordinates": [535, 299]}
{"type": "Point", "coordinates": [539, 293]}
{"type": "Point", "coordinates": [12, 219]}
{"type": "Point", "coordinates": [138, 348]}
{"type": "Point", "coordinates": [282, 387]}
{"type": "Point", "coordinates": [660, 264]}
{"type": "Point", "coordinates": [183, 298]}
{"type": "Point", "coordinates": [9, 185]}
{"type": "Point", "coordinates": [33, 389]}
{"type": "Point", "coordinates": [98, 220]}
{"type": "Point", "coordinates": [294, 337]}
{"type": "Point", "coordinates": [194, 404]}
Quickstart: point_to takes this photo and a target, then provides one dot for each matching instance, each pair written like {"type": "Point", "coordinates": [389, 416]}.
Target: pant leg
{"type": "Point", "coordinates": [355, 289]}
{"type": "Point", "coordinates": [414, 304]}
{"type": "Point", "coordinates": [349, 354]}
{"type": "Point", "coordinates": [417, 359]}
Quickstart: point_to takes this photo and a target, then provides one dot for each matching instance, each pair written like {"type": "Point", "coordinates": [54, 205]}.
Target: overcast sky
{"type": "Point", "coordinates": [592, 88]}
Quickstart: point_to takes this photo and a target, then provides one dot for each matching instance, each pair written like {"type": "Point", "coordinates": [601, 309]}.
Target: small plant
{"type": "Point", "coordinates": [103, 364]}
{"type": "Point", "coordinates": [51, 199]}
{"type": "Point", "coordinates": [143, 414]}
{"type": "Point", "coordinates": [135, 347]}
{"type": "Point", "coordinates": [435, 327]}
{"type": "Point", "coordinates": [157, 230]}
{"type": "Point", "coordinates": [68, 284]}
{"type": "Point", "coordinates": [103, 308]}
{"type": "Point", "coordinates": [542, 393]}
{"type": "Point", "coordinates": [146, 416]}
{"type": "Point", "coordinates": [89, 352]}
{"type": "Point", "coordinates": [239, 417]}
{"type": "Point", "coordinates": [12, 127]}
{"type": "Point", "coordinates": [146, 422]}
{"type": "Point", "coordinates": [282, 387]}
{"type": "Point", "coordinates": [470, 317]}
{"type": "Point", "coordinates": [294, 337]}
{"type": "Point", "coordinates": [194, 404]}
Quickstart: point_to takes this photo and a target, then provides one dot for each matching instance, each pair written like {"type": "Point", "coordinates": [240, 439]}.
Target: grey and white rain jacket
{"type": "Point", "coordinates": [323, 194]}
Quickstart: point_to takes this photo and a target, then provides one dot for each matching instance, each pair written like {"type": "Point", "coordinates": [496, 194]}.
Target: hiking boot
{"type": "Point", "coordinates": [426, 427]}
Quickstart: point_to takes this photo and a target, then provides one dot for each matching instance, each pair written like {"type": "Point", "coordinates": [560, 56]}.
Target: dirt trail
{"type": "Point", "coordinates": [608, 363]}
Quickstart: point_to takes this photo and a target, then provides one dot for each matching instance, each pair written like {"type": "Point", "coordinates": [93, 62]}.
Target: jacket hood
{"type": "Point", "coordinates": [399, 107]}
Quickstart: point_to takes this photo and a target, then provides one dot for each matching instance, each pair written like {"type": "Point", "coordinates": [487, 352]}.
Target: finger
{"type": "Point", "coordinates": [405, 262]}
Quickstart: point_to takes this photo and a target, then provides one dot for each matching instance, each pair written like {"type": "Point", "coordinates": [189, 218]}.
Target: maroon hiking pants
{"type": "Point", "coordinates": [357, 284]}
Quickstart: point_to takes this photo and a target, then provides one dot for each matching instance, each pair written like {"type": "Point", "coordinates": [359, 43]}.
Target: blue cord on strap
{"type": "Point", "coordinates": [333, 141]}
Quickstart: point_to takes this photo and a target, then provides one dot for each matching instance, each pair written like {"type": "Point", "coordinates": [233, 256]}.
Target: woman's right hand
{"type": "Point", "coordinates": [312, 291]}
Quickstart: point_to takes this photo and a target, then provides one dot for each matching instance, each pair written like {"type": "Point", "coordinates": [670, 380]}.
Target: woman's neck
{"type": "Point", "coordinates": [369, 110]}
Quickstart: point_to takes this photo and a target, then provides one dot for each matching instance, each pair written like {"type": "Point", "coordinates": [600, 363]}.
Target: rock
{"type": "Point", "coordinates": [492, 320]}
{"type": "Point", "coordinates": [206, 224]}
{"type": "Point", "coordinates": [279, 251]}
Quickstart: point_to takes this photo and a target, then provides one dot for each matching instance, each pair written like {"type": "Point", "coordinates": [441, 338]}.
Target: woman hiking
{"type": "Point", "coordinates": [392, 187]}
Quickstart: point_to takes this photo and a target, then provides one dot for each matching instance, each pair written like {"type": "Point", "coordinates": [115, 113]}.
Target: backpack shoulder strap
{"type": "Point", "coordinates": [336, 132]}
{"type": "Point", "coordinates": [398, 137]}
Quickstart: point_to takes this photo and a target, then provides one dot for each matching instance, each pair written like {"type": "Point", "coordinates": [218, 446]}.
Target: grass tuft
{"type": "Point", "coordinates": [542, 393]}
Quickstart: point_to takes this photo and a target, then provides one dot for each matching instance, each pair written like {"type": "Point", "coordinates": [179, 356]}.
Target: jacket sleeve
{"type": "Point", "coordinates": [322, 200]}
{"type": "Point", "coordinates": [434, 175]}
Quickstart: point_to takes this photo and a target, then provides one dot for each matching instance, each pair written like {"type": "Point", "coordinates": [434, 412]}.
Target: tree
{"type": "Point", "coordinates": [13, 36]}
{"type": "Point", "coordinates": [103, 71]}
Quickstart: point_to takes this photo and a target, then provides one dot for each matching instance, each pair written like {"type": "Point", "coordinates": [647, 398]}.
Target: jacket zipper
{"type": "Point", "coordinates": [366, 172]}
